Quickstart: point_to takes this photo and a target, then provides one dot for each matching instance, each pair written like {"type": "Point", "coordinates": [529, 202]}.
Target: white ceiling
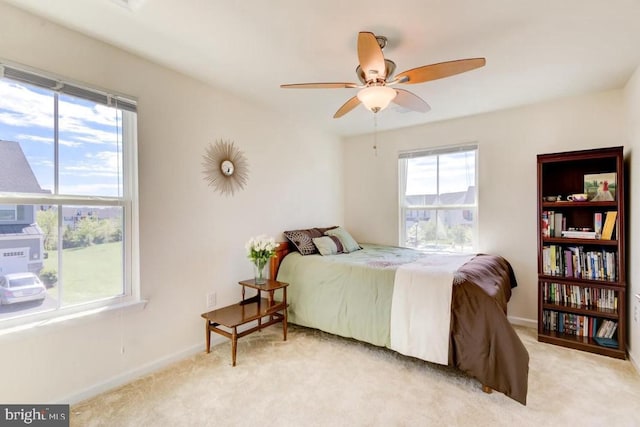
{"type": "Point", "coordinates": [535, 49]}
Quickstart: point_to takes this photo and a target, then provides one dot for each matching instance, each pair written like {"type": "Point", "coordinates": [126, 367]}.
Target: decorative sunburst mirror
{"type": "Point", "coordinates": [225, 167]}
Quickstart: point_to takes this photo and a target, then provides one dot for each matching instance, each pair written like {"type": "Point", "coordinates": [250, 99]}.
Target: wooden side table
{"type": "Point", "coordinates": [248, 310]}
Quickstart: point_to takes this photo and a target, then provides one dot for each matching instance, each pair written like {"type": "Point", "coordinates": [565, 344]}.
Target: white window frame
{"type": "Point", "coordinates": [403, 209]}
{"type": "Point", "coordinates": [128, 201]}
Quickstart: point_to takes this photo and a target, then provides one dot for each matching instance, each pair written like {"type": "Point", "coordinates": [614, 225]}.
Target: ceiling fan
{"type": "Point", "coordinates": [376, 76]}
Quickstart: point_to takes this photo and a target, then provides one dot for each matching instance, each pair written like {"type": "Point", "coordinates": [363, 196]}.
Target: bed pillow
{"type": "Point", "coordinates": [348, 243]}
{"type": "Point", "coordinates": [328, 245]}
{"type": "Point", "coordinates": [323, 230]}
{"type": "Point", "coordinates": [302, 240]}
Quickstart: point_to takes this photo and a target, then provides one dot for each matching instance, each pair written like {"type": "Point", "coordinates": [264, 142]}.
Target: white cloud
{"type": "Point", "coordinates": [35, 138]}
{"type": "Point", "coordinates": [90, 134]}
{"type": "Point", "coordinates": [21, 106]}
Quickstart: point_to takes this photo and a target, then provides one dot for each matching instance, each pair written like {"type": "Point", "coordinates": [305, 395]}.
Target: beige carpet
{"type": "Point", "coordinates": [316, 379]}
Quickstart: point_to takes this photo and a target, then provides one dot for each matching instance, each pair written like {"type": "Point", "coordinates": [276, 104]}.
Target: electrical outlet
{"type": "Point", "coordinates": [635, 313]}
{"type": "Point", "coordinates": [211, 300]}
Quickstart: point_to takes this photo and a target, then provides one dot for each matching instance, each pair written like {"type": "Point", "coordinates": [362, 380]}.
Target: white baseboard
{"type": "Point", "coordinates": [136, 373]}
{"type": "Point", "coordinates": [634, 362]}
{"type": "Point", "coordinates": [521, 321]}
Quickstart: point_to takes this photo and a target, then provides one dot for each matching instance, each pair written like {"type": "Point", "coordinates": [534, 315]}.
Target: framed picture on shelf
{"type": "Point", "coordinates": [600, 187]}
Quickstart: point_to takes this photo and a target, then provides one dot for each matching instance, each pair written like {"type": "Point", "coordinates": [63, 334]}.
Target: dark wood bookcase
{"type": "Point", "coordinates": [581, 281]}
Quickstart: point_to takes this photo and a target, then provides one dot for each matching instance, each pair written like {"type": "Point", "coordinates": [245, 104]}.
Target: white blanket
{"type": "Point", "coordinates": [421, 306]}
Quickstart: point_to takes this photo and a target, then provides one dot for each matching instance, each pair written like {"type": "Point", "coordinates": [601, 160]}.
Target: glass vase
{"type": "Point", "coordinates": [260, 272]}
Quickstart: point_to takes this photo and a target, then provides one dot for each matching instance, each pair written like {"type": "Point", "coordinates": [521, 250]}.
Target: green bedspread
{"type": "Point", "coordinates": [352, 297]}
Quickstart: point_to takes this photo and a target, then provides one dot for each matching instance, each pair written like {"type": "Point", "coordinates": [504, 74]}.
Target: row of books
{"type": "Point", "coordinates": [607, 329]}
{"type": "Point", "coordinates": [578, 296]}
{"type": "Point", "coordinates": [575, 261]}
{"type": "Point", "coordinates": [578, 324]}
{"type": "Point", "coordinates": [554, 224]}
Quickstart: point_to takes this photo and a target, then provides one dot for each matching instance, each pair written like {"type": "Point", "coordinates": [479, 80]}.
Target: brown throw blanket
{"type": "Point", "coordinates": [495, 356]}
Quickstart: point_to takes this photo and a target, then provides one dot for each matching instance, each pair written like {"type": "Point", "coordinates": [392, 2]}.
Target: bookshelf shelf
{"type": "Point", "coordinates": [573, 241]}
{"type": "Point", "coordinates": [580, 343]}
{"type": "Point", "coordinates": [581, 281]}
{"type": "Point", "coordinates": [601, 312]}
{"type": "Point", "coordinates": [575, 205]}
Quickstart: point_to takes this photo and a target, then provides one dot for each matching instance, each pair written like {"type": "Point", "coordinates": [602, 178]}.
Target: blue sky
{"type": "Point", "coordinates": [90, 154]}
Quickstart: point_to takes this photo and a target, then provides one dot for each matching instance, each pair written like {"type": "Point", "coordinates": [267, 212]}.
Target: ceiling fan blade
{"type": "Point", "coordinates": [370, 56]}
{"type": "Point", "coordinates": [319, 85]}
{"type": "Point", "coordinates": [409, 100]}
{"type": "Point", "coordinates": [346, 107]}
{"type": "Point", "coordinates": [437, 71]}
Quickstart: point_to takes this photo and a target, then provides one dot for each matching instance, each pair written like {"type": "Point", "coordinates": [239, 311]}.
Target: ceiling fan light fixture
{"type": "Point", "coordinates": [375, 73]}
{"type": "Point", "coordinates": [376, 98]}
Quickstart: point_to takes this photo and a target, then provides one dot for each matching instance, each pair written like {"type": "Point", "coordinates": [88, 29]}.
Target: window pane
{"type": "Point", "coordinates": [26, 286]}
{"type": "Point", "coordinates": [7, 213]}
{"type": "Point", "coordinates": [91, 261]}
{"type": "Point", "coordinates": [457, 172]}
{"type": "Point", "coordinates": [88, 268]}
{"type": "Point", "coordinates": [26, 138]}
{"type": "Point", "coordinates": [442, 179]}
{"type": "Point", "coordinates": [90, 148]}
{"type": "Point", "coordinates": [449, 230]}
{"type": "Point", "coordinates": [422, 175]}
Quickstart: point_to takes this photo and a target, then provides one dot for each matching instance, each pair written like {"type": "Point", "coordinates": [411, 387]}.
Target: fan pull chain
{"type": "Point", "coordinates": [375, 135]}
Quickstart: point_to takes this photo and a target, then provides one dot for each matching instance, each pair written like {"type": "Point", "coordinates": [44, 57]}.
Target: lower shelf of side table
{"type": "Point", "coordinates": [233, 316]}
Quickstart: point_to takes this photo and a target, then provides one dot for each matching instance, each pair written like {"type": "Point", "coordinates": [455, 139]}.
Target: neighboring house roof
{"type": "Point", "coordinates": [457, 198]}
{"type": "Point", "coordinates": [20, 230]}
{"type": "Point", "coordinates": [16, 175]}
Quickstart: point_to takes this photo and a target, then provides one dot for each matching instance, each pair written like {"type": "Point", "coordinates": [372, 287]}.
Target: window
{"type": "Point", "coordinates": [438, 199]}
{"type": "Point", "coordinates": [8, 213]}
{"type": "Point", "coordinates": [67, 195]}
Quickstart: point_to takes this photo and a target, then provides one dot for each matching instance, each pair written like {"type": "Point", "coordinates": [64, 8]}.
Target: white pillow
{"type": "Point", "coordinates": [326, 245]}
{"type": "Point", "coordinates": [348, 243]}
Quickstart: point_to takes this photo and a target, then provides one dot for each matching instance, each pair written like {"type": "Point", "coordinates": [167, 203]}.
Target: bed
{"type": "Point", "coordinates": [352, 295]}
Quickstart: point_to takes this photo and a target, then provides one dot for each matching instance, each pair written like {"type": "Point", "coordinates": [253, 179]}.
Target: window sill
{"type": "Point", "coordinates": [124, 307]}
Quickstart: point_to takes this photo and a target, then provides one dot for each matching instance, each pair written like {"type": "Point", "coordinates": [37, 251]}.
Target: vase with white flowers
{"type": "Point", "coordinates": [260, 250]}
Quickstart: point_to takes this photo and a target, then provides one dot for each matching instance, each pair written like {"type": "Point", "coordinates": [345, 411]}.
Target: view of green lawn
{"type": "Point", "coordinates": [88, 273]}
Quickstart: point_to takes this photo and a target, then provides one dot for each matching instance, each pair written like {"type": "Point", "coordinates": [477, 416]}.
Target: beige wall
{"type": "Point", "coordinates": [632, 98]}
{"type": "Point", "coordinates": [191, 238]}
{"type": "Point", "coordinates": [508, 143]}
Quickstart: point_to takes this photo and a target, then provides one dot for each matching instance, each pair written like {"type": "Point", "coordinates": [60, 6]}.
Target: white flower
{"type": "Point", "coordinates": [260, 249]}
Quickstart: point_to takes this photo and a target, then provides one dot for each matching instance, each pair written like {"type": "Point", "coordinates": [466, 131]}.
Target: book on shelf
{"type": "Point", "coordinates": [568, 263]}
{"type": "Point", "coordinates": [607, 329]}
{"type": "Point", "coordinates": [544, 226]}
{"type": "Point", "coordinates": [597, 222]}
{"type": "Point", "coordinates": [557, 224]}
{"type": "Point", "coordinates": [609, 224]}
{"type": "Point", "coordinates": [573, 234]}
